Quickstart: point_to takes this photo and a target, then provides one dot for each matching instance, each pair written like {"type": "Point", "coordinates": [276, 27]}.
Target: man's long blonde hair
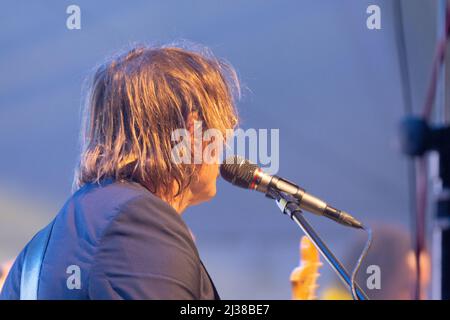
{"type": "Point", "coordinates": [134, 102]}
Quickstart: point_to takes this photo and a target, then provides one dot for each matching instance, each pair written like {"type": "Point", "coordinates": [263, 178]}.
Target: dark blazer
{"type": "Point", "coordinates": [121, 242]}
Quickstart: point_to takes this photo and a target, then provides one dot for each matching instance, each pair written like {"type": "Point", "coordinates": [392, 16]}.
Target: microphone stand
{"type": "Point", "coordinates": [290, 207]}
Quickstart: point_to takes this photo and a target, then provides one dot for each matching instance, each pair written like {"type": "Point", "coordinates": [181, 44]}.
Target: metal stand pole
{"type": "Point", "coordinates": [441, 225]}
{"type": "Point", "coordinates": [292, 209]}
{"type": "Point", "coordinates": [441, 222]}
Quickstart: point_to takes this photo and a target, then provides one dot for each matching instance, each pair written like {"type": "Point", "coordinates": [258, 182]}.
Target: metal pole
{"type": "Point", "coordinates": [293, 210]}
{"type": "Point", "coordinates": [440, 250]}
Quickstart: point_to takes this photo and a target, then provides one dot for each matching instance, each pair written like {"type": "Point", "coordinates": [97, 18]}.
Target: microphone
{"type": "Point", "coordinates": [242, 173]}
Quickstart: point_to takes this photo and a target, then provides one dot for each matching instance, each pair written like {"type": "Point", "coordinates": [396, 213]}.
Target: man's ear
{"type": "Point", "coordinates": [190, 121]}
{"type": "Point", "coordinates": [194, 124]}
{"type": "Point", "coordinates": [195, 127]}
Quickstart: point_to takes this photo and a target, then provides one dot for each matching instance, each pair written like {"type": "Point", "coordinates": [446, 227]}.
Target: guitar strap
{"type": "Point", "coordinates": [32, 264]}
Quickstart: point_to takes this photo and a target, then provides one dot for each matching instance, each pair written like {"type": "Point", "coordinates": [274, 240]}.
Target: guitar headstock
{"type": "Point", "coordinates": [304, 277]}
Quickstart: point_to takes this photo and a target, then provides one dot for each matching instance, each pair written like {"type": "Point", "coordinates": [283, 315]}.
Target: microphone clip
{"type": "Point", "coordinates": [285, 202]}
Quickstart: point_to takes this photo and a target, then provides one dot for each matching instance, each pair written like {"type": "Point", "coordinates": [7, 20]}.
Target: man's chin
{"type": "Point", "coordinates": [206, 197]}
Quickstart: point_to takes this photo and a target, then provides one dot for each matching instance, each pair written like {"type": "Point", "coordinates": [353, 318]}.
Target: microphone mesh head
{"type": "Point", "coordinates": [238, 171]}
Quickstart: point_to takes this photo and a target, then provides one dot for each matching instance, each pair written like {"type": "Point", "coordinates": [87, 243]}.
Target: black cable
{"type": "Point", "coordinates": [403, 58]}
{"type": "Point", "coordinates": [408, 109]}
{"type": "Point", "coordinates": [359, 262]}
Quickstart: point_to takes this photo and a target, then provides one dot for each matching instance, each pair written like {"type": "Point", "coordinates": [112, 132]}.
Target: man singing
{"type": "Point", "coordinates": [121, 235]}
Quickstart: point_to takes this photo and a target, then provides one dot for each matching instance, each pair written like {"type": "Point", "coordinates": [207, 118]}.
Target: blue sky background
{"type": "Point", "coordinates": [309, 68]}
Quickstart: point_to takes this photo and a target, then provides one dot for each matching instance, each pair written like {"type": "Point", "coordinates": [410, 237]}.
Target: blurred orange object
{"type": "Point", "coordinates": [304, 277]}
{"type": "Point", "coordinates": [335, 293]}
{"type": "Point", "coordinates": [4, 269]}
